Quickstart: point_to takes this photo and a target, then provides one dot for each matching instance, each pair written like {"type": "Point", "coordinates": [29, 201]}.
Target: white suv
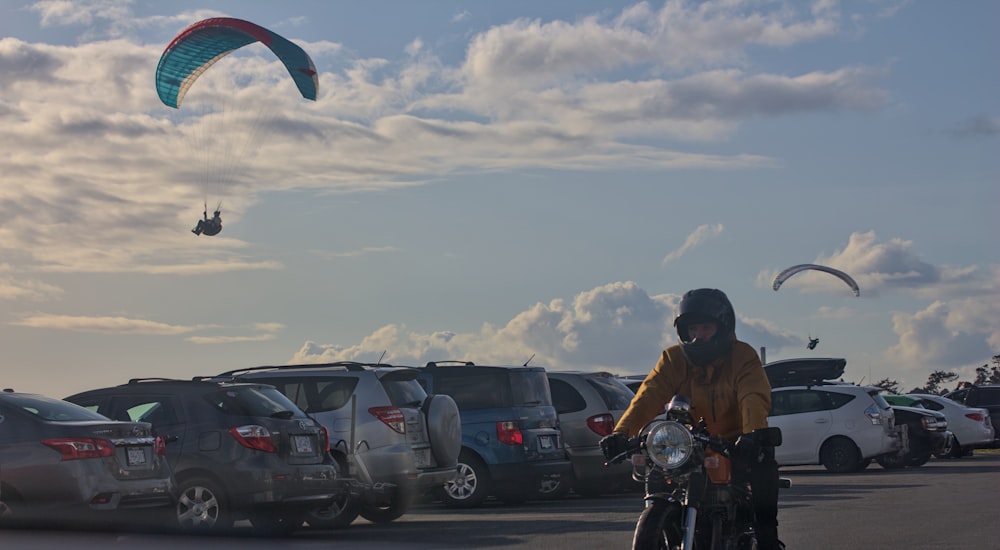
{"type": "Point", "coordinates": [839, 425]}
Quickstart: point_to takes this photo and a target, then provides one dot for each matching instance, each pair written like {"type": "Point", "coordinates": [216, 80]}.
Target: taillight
{"type": "Point", "coordinates": [160, 446]}
{"type": "Point", "coordinates": [509, 433]}
{"type": "Point", "coordinates": [254, 437]}
{"type": "Point", "coordinates": [83, 447]}
{"type": "Point", "coordinates": [976, 416]}
{"type": "Point", "coordinates": [601, 424]}
{"type": "Point", "coordinates": [390, 416]}
{"type": "Point", "coordinates": [873, 414]}
{"type": "Point", "coordinates": [326, 439]}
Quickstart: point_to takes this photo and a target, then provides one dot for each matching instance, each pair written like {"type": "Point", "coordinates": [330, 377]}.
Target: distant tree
{"type": "Point", "coordinates": [934, 382]}
{"type": "Point", "coordinates": [891, 386]}
{"type": "Point", "coordinates": [987, 374]}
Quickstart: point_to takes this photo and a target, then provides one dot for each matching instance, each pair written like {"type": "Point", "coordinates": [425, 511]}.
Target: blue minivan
{"type": "Point", "coordinates": [510, 431]}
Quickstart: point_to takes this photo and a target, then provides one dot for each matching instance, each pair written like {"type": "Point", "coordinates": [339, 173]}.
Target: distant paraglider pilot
{"type": "Point", "coordinates": [812, 342]}
{"type": "Point", "coordinates": [207, 226]}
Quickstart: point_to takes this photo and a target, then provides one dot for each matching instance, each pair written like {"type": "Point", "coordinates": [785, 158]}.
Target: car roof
{"type": "Point", "coordinates": [314, 369]}
{"type": "Point", "coordinates": [431, 365]}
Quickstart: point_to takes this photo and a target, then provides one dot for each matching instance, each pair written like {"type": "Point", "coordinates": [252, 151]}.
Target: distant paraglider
{"type": "Point", "coordinates": [210, 227]}
{"type": "Point", "coordinates": [813, 342]}
{"type": "Point", "coordinates": [786, 274]}
{"type": "Point", "coordinates": [199, 46]}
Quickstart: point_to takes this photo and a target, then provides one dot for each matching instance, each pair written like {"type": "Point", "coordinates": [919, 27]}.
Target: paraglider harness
{"type": "Point", "coordinates": [207, 226]}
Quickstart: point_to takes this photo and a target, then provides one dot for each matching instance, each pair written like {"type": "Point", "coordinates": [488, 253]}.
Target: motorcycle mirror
{"type": "Point", "coordinates": [768, 437]}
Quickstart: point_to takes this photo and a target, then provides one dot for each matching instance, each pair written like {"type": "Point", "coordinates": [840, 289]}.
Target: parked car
{"type": "Point", "coordinates": [510, 431]}
{"type": "Point", "coordinates": [61, 462]}
{"type": "Point", "coordinates": [970, 427]}
{"type": "Point", "coordinates": [839, 425]}
{"type": "Point", "coordinates": [985, 396]}
{"type": "Point", "coordinates": [633, 381]}
{"type": "Point", "coordinates": [923, 433]}
{"type": "Point", "coordinates": [589, 405]}
{"type": "Point", "coordinates": [237, 450]}
{"type": "Point", "coordinates": [384, 429]}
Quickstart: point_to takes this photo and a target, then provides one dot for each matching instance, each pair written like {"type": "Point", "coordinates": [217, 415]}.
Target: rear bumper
{"type": "Point", "coordinates": [290, 486]}
{"type": "Point", "coordinates": [528, 474]}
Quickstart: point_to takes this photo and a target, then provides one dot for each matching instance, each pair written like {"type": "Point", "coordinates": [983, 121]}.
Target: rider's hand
{"type": "Point", "coordinates": [613, 445]}
{"type": "Point", "coordinates": [747, 449]}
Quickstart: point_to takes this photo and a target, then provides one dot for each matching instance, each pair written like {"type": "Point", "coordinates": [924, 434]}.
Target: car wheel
{"type": "Point", "coordinates": [555, 486]}
{"type": "Point", "coordinates": [918, 459]}
{"type": "Point", "coordinates": [202, 506]}
{"type": "Point", "coordinates": [894, 461]}
{"type": "Point", "coordinates": [339, 514]}
{"type": "Point", "coordinates": [953, 449]}
{"type": "Point", "coordinates": [398, 505]}
{"type": "Point", "coordinates": [840, 456]}
{"type": "Point", "coordinates": [470, 486]}
{"type": "Point", "coordinates": [444, 428]}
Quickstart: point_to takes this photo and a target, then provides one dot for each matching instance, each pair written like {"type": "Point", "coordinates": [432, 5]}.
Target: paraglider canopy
{"type": "Point", "coordinates": [197, 47]}
{"type": "Point", "coordinates": [787, 273]}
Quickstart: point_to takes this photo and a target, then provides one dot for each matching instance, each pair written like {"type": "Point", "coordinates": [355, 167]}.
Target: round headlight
{"type": "Point", "coordinates": [669, 444]}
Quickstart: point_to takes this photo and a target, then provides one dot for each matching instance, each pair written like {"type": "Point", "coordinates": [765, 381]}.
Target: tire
{"type": "Point", "coordinates": [444, 429]}
{"type": "Point", "coordinates": [554, 487]}
{"type": "Point", "coordinates": [840, 456]}
{"type": "Point", "coordinates": [202, 506]}
{"type": "Point", "coordinates": [399, 504]}
{"type": "Point", "coordinates": [658, 527]}
{"type": "Point", "coordinates": [339, 514]}
{"type": "Point", "coordinates": [895, 461]}
{"type": "Point", "coordinates": [470, 486]}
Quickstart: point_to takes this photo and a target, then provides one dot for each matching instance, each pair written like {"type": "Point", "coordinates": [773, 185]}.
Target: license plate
{"type": "Point", "coordinates": [135, 456]}
{"type": "Point", "coordinates": [545, 441]}
{"type": "Point", "coordinates": [303, 444]}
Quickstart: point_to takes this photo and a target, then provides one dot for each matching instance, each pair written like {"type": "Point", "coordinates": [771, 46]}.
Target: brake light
{"type": "Point", "coordinates": [160, 446]}
{"type": "Point", "coordinates": [390, 416]}
{"type": "Point", "coordinates": [976, 416]}
{"type": "Point", "coordinates": [873, 414]}
{"type": "Point", "coordinates": [326, 439]}
{"type": "Point", "coordinates": [509, 433]}
{"type": "Point", "coordinates": [83, 447]}
{"type": "Point", "coordinates": [254, 437]}
{"type": "Point", "coordinates": [601, 424]}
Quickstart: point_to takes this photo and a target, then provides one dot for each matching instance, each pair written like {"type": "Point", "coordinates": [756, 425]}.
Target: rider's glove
{"type": "Point", "coordinates": [613, 445]}
{"type": "Point", "coordinates": [747, 450]}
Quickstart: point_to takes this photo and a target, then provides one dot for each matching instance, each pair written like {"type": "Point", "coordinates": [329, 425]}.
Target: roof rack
{"type": "Point", "coordinates": [154, 379]}
{"type": "Point", "coordinates": [348, 365]}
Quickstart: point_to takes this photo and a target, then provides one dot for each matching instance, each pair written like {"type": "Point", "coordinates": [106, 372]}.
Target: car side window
{"type": "Point", "coordinates": [837, 400]}
{"type": "Point", "coordinates": [157, 410]}
{"type": "Point", "coordinates": [796, 401]}
{"type": "Point", "coordinates": [565, 398]}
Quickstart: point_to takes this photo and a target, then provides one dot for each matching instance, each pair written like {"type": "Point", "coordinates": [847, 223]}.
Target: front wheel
{"type": "Point", "coordinates": [658, 528]}
{"type": "Point", "coordinates": [398, 505]}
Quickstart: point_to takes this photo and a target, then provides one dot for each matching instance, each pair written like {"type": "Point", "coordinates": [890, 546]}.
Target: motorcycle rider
{"type": "Point", "coordinates": [725, 381]}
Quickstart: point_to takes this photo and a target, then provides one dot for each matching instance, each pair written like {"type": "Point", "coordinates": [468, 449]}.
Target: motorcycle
{"type": "Point", "coordinates": [693, 499]}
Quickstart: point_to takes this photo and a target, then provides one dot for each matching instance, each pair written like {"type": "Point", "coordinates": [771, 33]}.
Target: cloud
{"type": "Point", "coordinates": [961, 334]}
{"type": "Point", "coordinates": [697, 237]}
{"type": "Point", "coordinates": [979, 126]}
{"type": "Point", "coordinates": [616, 327]}
{"type": "Point", "coordinates": [14, 289]}
{"type": "Point", "coordinates": [102, 325]}
{"type": "Point", "coordinates": [354, 253]}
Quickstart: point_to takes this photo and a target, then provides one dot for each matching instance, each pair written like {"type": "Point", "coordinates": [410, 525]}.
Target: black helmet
{"type": "Point", "coordinates": [706, 305]}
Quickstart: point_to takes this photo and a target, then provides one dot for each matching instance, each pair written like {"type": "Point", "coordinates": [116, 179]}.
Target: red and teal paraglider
{"type": "Point", "coordinates": [197, 47]}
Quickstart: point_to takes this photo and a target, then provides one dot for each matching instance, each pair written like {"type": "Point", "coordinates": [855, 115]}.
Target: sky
{"type": "Point", "coordinates": [498, 182]}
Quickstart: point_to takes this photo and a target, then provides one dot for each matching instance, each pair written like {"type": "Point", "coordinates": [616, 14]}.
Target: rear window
{"type": "Point", "coordinates": [987, 396]}
{"type": "Point", "coordinates": [404, 393]}
{"type": "Point", "coordinates": [253, 402]}
{"type": "Point", "coordinates": [315, 394]}
{"type": "Point", "coordinates": [531, 388]}
{"type": "Point", "coordinates": [616, 395]}
{"type": "Point", "coordinates": [47, 408]}
{"type": "Point", "coordinates": [477, 389]}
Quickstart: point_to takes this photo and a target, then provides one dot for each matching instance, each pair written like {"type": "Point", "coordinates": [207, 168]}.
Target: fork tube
{"type": "Point", "coordinates": [689, 522]}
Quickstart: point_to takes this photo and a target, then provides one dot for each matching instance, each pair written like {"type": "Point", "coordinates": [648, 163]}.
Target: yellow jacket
{"type": "Point", "coordinates": [736, 402]}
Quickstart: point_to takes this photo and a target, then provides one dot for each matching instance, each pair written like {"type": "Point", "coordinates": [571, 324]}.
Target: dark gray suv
{"type": "Point", "coordinates": [237, 450]}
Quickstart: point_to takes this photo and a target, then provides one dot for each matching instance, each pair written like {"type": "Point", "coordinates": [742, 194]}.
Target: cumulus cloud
{"type": "Point", "coordinates": [979, 126]}
{"type": "Point", "coordinates": [616, 327]}
{"type": "Point", "coordinates": [947, 335]}
{"type": "Point", "coordinates": [697, 237]}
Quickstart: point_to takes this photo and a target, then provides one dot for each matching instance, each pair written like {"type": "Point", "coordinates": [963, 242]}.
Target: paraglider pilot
{"type": "Point", "coordinates": [207, 226]}
{"type": "Point", "coordinates": [812, 342]}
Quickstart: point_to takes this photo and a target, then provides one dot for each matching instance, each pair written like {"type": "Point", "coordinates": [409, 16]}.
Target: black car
{"type": "Point", "coordinates": [238, 450]}
{"type": "Point", "coordinates": [61, 463]}
{"type": "Point", "coordinates": [923, 433]}
{"type": "Point", "coordinates": [986, 396]}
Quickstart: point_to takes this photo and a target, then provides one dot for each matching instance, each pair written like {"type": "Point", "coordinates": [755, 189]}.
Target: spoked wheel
{"type": "Point", "coordinates": [202, 506]}
{"type": "Point", "coordinates": [659, 527]}
{"type": "Point", "coordinates": [555, 486]}
{"type": "Point", "coordinates": [470, 486]}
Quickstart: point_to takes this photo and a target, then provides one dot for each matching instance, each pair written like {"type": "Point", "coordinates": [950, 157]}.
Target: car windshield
{"type": "Point", "coordinates": [47, 408]}
{"type": "Point", "coordinates": [253, 401]}
{"type": "Point", "coordinates": [616, 395]}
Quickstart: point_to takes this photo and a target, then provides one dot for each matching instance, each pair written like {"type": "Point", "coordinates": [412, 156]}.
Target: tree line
{"type": "Point", "coordinates": [938, 381]}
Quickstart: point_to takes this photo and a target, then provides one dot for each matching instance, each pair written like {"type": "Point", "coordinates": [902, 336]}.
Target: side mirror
{"type": "Point", "coordinates": [768, 437]}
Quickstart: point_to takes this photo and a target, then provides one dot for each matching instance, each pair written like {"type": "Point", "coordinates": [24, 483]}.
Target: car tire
{"type": "Point", "coordinates": [339, 514]}
{"type": "Point", "coordinates": [555, 486]}
{"type": "Point", "coordinates": [398, 505]}
{"type": "Point", "coordinates": [202, 506]}
{"type": "Point", "coordinates": [894, 461]}
{"type": "Point", "coordinates": [444, 428]}
{"type": "Point", "coordinates": [470, 486]}
{"type": "Point", "coordinates": [840, 455]}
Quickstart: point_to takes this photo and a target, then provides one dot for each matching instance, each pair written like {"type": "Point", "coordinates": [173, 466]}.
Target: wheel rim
{"type": "Point", "coordinates": [464, 484]}
{"type": "Point", "coordinates": [198, 508]}
{"type": "Point", "coordinates": [550, 485]}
